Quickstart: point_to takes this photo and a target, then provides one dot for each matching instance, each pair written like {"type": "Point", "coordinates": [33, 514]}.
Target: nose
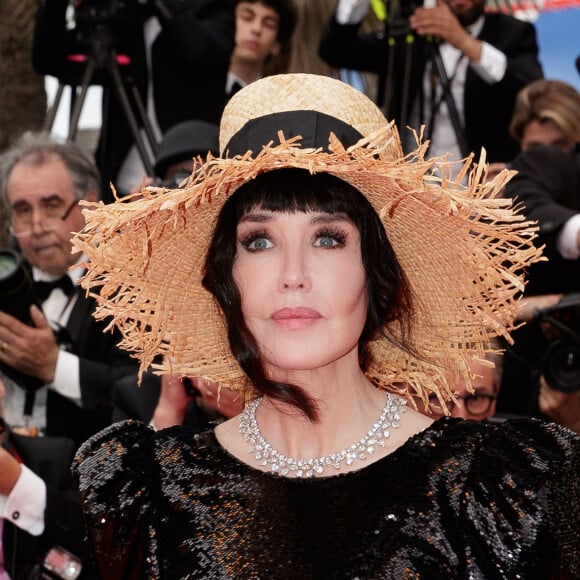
{"type": "Point", "coordinates": [294, 271]}
{"type": "Point", "coordinates": [37, 225]}
{"type": "Point", "coordinates": [256, 27]}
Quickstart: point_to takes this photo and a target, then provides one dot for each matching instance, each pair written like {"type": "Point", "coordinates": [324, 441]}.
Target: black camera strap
{"type": "Point", "coordinates": [437, 100]}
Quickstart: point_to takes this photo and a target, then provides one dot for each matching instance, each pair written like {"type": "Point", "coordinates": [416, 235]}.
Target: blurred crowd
{"type": "Point", "coordinates": [472, 82]}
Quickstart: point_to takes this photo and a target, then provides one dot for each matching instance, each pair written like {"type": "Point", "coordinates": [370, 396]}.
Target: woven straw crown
{"type": "Point", "coordinates": [463, 249]}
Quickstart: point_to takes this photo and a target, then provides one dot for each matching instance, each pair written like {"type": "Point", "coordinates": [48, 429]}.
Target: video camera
{"type": "Point", "coordinates": [87, 12]}
{"type": "Point", "coordinates": [96, 23]}
{"type": "Point", "coordinates": [91, 10]}
{"type": "Point", "coordinates": [561, 361]}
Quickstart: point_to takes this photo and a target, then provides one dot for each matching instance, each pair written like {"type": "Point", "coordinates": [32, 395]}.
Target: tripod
{"type": "Point", "coordinates": [102, 57]}
{"type": "Point", "coordinates": [398, 32]}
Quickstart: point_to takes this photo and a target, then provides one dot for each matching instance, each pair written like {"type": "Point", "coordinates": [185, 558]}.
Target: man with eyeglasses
{"type": "Point", "coordinates": [478, 405]}
{"type": "Point", "coordinates": [73, 361]}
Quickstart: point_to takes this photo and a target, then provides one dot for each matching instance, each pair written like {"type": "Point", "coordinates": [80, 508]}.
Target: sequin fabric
{"type": "Point", "coordinates": [459, 500]}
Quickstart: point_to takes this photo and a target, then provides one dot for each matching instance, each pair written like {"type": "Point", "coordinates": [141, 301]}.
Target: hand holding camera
{"type": "Point", "coordinates": [31, 350]}
{"type": "Point", "coordinates": [559, 382]}
{"type": "Point", "coordinates": [28, 348]}
{"type": "Point", "coordinates": [559, 406]}
{"type": "Point", "coordinates": [438, 20]}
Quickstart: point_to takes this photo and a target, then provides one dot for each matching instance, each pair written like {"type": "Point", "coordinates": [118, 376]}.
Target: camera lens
{"type": "Point", "coordinates": [16, 290]}
{"type": "Point", "coordinates": [562, 366]}
{"type": "Point", "coordinates": [16, 297]}
{"type": "Point", "coordinates": [8, 264]}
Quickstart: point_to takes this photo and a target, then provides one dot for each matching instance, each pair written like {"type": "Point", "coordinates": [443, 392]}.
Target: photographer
{"type": "Point", "coordinates": [40, 510]}
{"type": "Point", "coordinates": [548, 186]}
{"type": "Point", "coordinates": [179, 53]}
{"type": "Point", "coordinates": [69, 359]}
{"type": "Point", "coordinates": [486, 58]}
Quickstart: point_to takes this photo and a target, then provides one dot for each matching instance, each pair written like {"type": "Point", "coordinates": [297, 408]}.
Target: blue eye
{"type": "Point", "coordinates": [256, 242]}
{"type": "Point", "coordinates": [330, 239]}
{"type": "Point", "coordinates": [259, 244]}
{"type": "Point", "coordinates": [326, 242]}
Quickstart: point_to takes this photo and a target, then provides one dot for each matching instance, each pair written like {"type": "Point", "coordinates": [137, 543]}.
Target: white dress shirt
{"type": "Point", "coordinates": [25, 505]}
{"type": "Point", "coordinates": [567, 240]}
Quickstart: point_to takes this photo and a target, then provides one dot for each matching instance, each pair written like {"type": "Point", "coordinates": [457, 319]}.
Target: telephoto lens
{"type": "Point", "coordinates": [16, 289]}
{"type": "Point", "coordinates": [16, 297]}
{"type": "Point", "coordinates": [561, 361]}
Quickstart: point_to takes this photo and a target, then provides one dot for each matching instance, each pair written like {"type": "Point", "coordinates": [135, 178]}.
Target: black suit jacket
{"type": "Point", "coordinates": [101, 364]}
{"type": "Point", "coordinates": [547, 187]}
{"type": "Point", "coordinates": [50, 458]}
{"type": "Point", "coordinates": [190, 59]}
{"type": "Point", "coordinates": [488, 108]}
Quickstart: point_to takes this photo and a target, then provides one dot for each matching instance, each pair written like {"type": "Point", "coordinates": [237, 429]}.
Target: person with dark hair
{"type": "Point", "coordinates": [263, 31]}
{"type": "Point", "coordinates": [332, 281]}
{"type": "Point", "coordinates": [177, 150]}
{"type": "Point", "coordinates": [460, 57]}
{"type": "Point", "coordinates": [181, 144]}
{"type": "Point", "coordinates": [58, 361]}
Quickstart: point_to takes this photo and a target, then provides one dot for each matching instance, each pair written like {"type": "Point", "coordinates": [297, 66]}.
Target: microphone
{"type": "Point", "coordinates": [578, 64]}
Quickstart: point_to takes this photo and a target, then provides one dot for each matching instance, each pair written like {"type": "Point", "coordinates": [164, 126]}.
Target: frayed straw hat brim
{"type": "Point", "coordinates": [463, 249]}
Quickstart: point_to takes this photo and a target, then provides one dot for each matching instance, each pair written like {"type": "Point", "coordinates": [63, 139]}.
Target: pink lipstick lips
{"type": "Point", "coordinates": [298, 317]}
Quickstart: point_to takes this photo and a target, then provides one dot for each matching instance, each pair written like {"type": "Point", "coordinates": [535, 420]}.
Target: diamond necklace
{"type": "Point", "coordinates": [266, 455]}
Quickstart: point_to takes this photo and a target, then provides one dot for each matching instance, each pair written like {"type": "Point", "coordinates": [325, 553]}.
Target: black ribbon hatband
{"type": "Point", "coordinates": [314, 128]}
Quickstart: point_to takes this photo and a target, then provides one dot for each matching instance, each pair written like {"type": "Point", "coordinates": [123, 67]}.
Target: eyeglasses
{"type": "Point", "coordinates": [52, 217]}
{"type": "Point", "coordinates": [477, 404]}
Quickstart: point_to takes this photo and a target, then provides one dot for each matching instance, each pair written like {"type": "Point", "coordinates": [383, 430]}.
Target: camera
{"type": "Point", "coordinates": [16, 296]}
{"type": "Point", "coordinates": [91, 10]}
{"type": "Point", "coordinates": [16, 288]}
{"type": "Point", "coordinates": [561, 361]}
{"type": "Point", "coordinates": [96, 24]}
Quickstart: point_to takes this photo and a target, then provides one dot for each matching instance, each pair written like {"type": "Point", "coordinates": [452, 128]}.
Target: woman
{"type": "Point", "coordinates": [331, 280]}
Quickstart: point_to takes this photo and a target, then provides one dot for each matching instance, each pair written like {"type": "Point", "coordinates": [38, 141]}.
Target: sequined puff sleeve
{"type": "Point", "coordinates": [117, 476]}
{"type": "Point", "coordinates": [523, 500]}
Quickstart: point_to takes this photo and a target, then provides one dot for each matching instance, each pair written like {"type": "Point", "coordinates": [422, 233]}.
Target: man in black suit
{"type": "Point", "coordinates": [182, 46]}
{"type": "Point", "coordinates": [487, 58]}
{"type": "Point", "coordinates": [66, 360]}
{"type": "Point", "coordinates": [40, 509]}
{"type": "Point", "coordinates": [548, 186]}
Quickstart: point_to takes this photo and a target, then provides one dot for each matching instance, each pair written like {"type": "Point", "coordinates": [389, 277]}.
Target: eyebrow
{"type": "Point", "coordinates": [250, 11]}
{"type": "Point", "coordinates": [262, 217]}
{"type": "Point", "coordinates": [45, 199]}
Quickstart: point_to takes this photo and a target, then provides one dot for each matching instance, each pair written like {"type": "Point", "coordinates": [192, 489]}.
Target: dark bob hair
{"type": "Point", "coordinates": [297, 190]}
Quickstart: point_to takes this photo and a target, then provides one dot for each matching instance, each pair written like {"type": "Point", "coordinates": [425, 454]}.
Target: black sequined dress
{"type": "Point", "coordinates": [459, 500]}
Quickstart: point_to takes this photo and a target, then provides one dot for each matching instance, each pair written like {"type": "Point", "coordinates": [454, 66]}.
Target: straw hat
{"type": "Point", "coordinates": [463, 249]}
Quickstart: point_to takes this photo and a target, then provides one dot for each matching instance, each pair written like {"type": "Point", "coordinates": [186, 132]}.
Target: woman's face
{"type": "Point", "coordinates": [302, 286]}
